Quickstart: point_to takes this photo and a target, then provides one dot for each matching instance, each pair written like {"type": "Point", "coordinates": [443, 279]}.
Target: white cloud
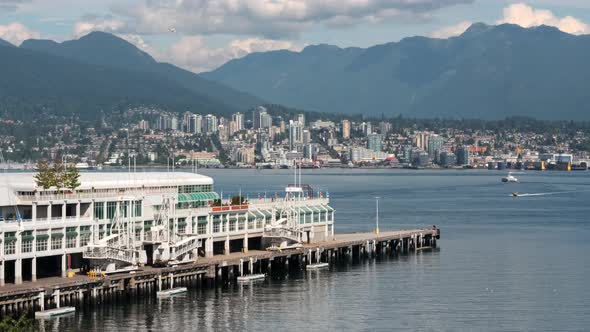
{"type": "Point", "coordinates": [269, 18]}
{"type": "Point", "coordinates": [452, 30]}
{"type": "Point", "coordinates": [527, 16]}
{"type": "Point", "coordinates": [192, 52]}
{"type": "Point", "coordinates": [16, 33]}
{"type": "Point", "coordinates": [91, 23]}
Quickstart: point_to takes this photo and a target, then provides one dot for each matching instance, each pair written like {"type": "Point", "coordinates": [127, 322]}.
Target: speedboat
{"type": "Point", "coordinates": [515, 194]}
{"type": "Point", "coordinates": [509, 178]}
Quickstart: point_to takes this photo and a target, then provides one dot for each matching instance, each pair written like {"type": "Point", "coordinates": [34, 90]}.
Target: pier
{"type": "Point", "coordinates": [56, 292]}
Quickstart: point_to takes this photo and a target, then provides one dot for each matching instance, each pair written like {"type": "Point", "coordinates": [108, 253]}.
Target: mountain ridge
{"type": "Point", "coordinates": [488, 71]}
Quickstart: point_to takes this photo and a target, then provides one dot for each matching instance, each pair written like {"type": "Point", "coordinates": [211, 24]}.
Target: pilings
{"type": "Point", "coordinates": [209, 272]}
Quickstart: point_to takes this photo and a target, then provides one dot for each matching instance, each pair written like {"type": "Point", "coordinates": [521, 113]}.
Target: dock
{"type": "Point", "coordinates": [47, 294]}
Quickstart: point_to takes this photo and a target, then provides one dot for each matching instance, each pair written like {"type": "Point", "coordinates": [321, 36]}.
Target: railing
{"type": "Point", "coordinates": [109, 253]}
{"type": "Point", "coordinates": [229, 208]}
{"type": "Point", "coordinates": [186, 247]}
{"type": "Point", "coordinates": [91, 195]}
{"type": "Point", "coordinates": [268, 203]}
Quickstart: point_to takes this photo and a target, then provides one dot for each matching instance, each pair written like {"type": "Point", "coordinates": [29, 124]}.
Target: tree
{"type": "Point", "coordinates": [237, 200]}
{"type": "Point", "coordinates": [58, 175]}
{"type": "Point", "coordinates": [44, 177]}
{"type": "Point", "coordinates": [72, 178]}
{"type": "Point", "coordinates": [23, 324]}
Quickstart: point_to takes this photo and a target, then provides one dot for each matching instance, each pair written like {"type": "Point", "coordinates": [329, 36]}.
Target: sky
{"type": "Point", "coordinates": [201, 35]}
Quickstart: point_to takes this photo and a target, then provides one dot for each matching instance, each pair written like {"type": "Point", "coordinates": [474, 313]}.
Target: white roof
{"type": "Point", "coordinates": [103, 180]}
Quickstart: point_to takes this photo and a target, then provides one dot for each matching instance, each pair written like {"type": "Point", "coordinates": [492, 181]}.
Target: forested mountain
{"type": "Point", "coordinates": [103, 72]}
{"type": "Point", "coordinates": [488, 72]}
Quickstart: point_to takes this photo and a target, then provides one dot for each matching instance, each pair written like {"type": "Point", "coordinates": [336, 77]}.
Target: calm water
{"type": "Point", "coordinates": [504, 264]}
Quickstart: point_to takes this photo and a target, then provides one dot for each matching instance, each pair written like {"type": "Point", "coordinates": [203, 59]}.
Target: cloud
{"type": "Point", "coordinates": [11, 5]}
{"type": "Point", "coordinates": [97, 23]}
{"type": "Point", "coordinates": [16, 33]}
{"type": "Point", "coordinates": [268, 18]}
{"type": "Point", "coordinates": [191, 52]}
{"type": "Point", "coordinates": [527, 16]}
{"type": "Point", "coordinates": [452, 30]}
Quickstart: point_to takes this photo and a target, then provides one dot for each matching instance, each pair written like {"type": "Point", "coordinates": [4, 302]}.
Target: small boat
{"type": "Point", "coordinates": [251, 277]}
{"type": "Point", "coordinates": [171, 291]}
{"type": "Point", "coordinates": [515, 194]}
{"type": "Point", "coordinates": [55, 312]}
{"type": "Point", "coordinates": [509, 178]}
{"type": "Point", "coordinates": [317, 266]}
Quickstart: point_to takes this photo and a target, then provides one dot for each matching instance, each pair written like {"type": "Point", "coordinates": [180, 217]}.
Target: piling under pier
{"type": "Point", "coordinates": [55, 292]}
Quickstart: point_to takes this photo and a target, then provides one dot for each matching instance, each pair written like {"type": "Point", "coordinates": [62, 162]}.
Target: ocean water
{"type": "Point", "coordinates": [504, 263]}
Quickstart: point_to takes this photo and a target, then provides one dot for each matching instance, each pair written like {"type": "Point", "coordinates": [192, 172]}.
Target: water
{"type": "Point", "coordinates": [505, 263]}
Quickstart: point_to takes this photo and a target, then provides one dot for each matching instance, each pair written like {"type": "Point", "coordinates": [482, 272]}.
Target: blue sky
{"type": "Point", "coordinates": [202, 34]}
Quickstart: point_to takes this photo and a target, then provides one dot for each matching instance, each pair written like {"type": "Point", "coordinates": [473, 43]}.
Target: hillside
{"type": "Point", "coordinates": [103, 72]}
{"type": "Point", "coordinates": [488, 72]}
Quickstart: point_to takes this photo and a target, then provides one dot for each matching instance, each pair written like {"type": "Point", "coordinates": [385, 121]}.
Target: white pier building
{"type": "Point", "coordinates": [116, 220]}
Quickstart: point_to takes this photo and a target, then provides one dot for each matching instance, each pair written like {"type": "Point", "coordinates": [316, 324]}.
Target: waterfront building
{"type": "Point", "coordinates": [463, 155]}
{"type": "Point", "coordinates": [160, 217]}
{"type": "Point", "coordinates": [374, 142]}
{"type": "Point", "coordinates": [435, 143]}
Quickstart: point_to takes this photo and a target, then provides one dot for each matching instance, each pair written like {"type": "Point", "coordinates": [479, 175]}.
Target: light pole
{"type": "Point", "coordinates": [377, 216]}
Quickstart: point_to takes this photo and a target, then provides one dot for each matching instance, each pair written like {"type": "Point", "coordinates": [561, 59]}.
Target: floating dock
{"type": "Point", "coordinates": [171, 292]}
{"type": "Point", "coordinates": [252, 277]}
{"type": "Point", "coordinates": [317, 266]}
{"type": "Point", "coordinates": [55, 312]}
{"type": "Point", "coordinates": [58, 293]}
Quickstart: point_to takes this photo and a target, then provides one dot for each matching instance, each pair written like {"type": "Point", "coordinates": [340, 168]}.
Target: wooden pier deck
{"type": "Point", "coordinates": [56, 291]}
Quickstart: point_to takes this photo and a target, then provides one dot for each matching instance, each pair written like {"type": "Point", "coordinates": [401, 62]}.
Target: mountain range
{"type": "Point", "coordinates": [488, 72]}
{"type": "Point", "coordinates": [102, 72]}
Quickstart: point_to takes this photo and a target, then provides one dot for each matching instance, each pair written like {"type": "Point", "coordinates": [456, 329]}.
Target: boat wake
{"type": "Point", "coordinates": [545, 194]}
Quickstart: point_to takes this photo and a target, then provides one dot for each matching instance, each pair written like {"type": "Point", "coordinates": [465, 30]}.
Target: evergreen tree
{"type": "Point", "coordinates": [58, 175]}
{"type": "Point", "coordinates": [44, 177]}
{"type": "Point", "coordinates": [72, 178]}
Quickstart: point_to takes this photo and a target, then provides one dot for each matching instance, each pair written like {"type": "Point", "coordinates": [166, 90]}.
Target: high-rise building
{"type": "Point", "coordinates": [345, 129]}
{"type": "Point", "coordinates": [384, 127]}
{"type": "Point", "coordinates": [238, 118]}
{"type": "Point", "coordinates": [198, 123]}
{"type": "Point", "coordinates": [143, 125]}
{"type": "Point", "coordinates": [306, 137]}
{"type": "Point", "coordinates": [374, 142]}
{"type": "Point", "coordinates": [256, 113]}
{"type": "Point", "coordinates": [211, 124]}
{"type": "Point", "coordinates": [265, 120]}
{"type": "Point", "coordinates": [463, 155]}
{"type": "Point", "coordinates": [295, 134]}
{"type": "Point", "coordinates": [435, 143]}
{"type": "Point", "coordinates": [421, 140]}
{"type": "Point", "coordinates": [368, 128]}
{"type": "Point", "coordinates": [301, 119]}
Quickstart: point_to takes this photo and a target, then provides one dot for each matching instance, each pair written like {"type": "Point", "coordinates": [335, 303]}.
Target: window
{"type": "Point", "coordinates": [232, 224]}
{"type": "Point", "coordinates": [27, 246]}
{"type": "Point", "coordinates": [138, 235]}
{"type": "Point", "coordinates": [260, 223]}
{"type": "Point", "coordinates": [111, 208]}
{"type": "Point", "coordinates": [71, 242]}
{"type": "Point", "coordinates": [10, 248]}
{"type": "Point", "coordinates": [136, 209]}
{"type": "Point", "coordinates": [241, 224]}
{"type": "Point", "coordinates": [99, 210]}
{"type": "Point", "coordinates": [84, 240]}
{"type": "Point", "coordinates": [202, 228]}
{"type": "Point", "coordinates": [56, 242]}
{"type": "Point", "coordinates": [216, 226]}
{"type": "Point", "coordinates": [124, 209]}
{"type": "Point", "coordinates": [41, 244]}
